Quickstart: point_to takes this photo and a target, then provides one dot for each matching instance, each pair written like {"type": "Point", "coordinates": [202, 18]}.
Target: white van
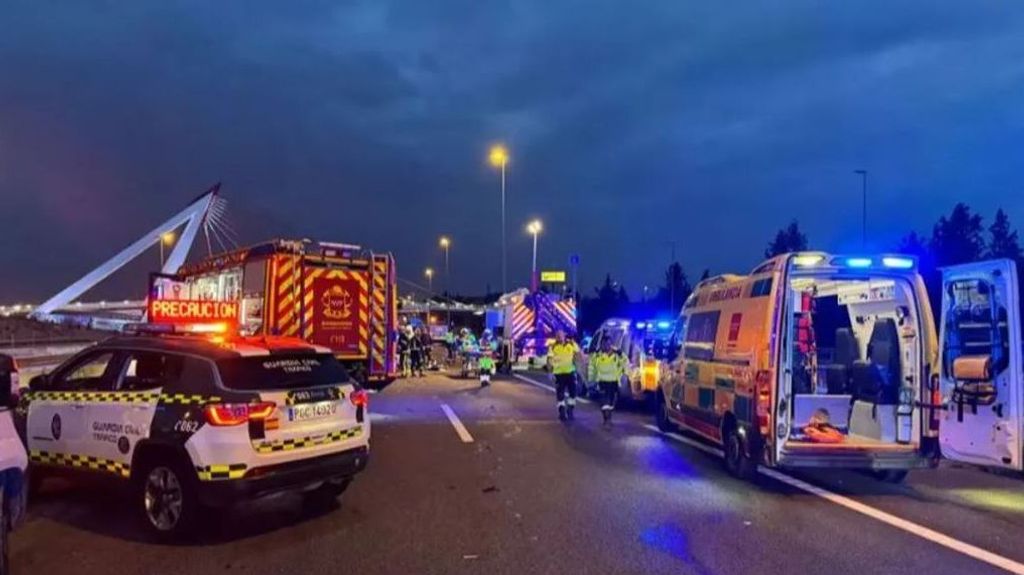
{"type": "Point", "coordinates": [13, 461]}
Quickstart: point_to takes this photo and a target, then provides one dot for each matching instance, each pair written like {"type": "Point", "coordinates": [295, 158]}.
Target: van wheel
{"type": "Point", "coordinates": [5, 534]}
{"type": "Point", "coordinates": [737, 461]}
{"type": "Point", "coordinates": [661, 415]}
{"type": "Point", "coordinates": [167, 500]}
{"type": "Point", "coordinates": [894, 476]}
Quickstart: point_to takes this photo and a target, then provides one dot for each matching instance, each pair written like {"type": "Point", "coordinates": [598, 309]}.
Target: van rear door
{"type": "Point", "coordinates": [980, 365]}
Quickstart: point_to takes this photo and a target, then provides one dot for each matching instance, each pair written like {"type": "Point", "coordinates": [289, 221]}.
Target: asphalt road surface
{"type": "Point", "coordinates": [465, 480]}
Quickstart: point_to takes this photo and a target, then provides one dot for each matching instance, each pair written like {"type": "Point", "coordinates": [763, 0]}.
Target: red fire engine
{"type": "Point", "coordinates": [339, 296]}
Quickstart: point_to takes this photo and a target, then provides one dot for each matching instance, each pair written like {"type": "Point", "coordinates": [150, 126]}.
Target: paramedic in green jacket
{"type": "Point", "coordinates": [607, 367]}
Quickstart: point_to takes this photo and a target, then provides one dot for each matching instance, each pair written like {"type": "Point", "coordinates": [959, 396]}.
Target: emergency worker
{"type": "Point", "coordinates": [607, 367]}
{"type": "Point", "coordinates": [416, 354]}
{"type": "Point", "coordinates": [562, 365]}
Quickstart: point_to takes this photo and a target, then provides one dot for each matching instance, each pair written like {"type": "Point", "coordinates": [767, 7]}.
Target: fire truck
{"type": "Point", "coordinates": [339, 296]}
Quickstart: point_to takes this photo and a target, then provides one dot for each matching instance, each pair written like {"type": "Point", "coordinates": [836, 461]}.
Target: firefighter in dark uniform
{"type": "Point", "coordinates": [607, 367]}
{"type": "Point", "coordinates": [562, 364]}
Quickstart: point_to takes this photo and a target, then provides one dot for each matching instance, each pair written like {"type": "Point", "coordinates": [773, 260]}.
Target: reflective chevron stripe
{"type": "Point", "coordinates": [81, 462]}
{"type": "Point", "coordinates": [93, 396]}
{"type": "Point", "coordinates": [215, 472]}
{"type": "Point", "coordinates": [302, 442]}
{"type": "Point", "coordinates": [119, 397]}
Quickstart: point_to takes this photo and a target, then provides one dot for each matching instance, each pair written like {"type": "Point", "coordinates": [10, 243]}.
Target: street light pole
{"type": "Point", "coordinates": [864, 200]}
{"type": "Point", "coordinates": [446, 245]}
{"type": "Point", "coordinates": [534, 228]}
{"type": "Point", "coordinates": [504, 236]}
{"type": "Point", "coordinates": [499, 159]}
{"type": "Point", "coordinates": [429, 272]}
{"type": "Point", "coordinates": [167, 238]}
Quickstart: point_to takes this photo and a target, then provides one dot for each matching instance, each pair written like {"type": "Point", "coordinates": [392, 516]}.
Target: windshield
{"type": "Point", "coordinates": [658, 344]}
{"type": "Point", "coordinates": [285, 371]}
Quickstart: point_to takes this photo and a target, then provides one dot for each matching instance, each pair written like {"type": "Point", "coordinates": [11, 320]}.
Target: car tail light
{"type": "Point", "coordinates": [228, 414]}
{"type": "Point", "coordinates": [359, 398]}
{"type": "Point", "coordinates": [764, 401]}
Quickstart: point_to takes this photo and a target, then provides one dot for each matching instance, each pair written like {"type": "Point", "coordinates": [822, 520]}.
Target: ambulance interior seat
{"type": "Point", "coordinates": [876, 384]}
{"type": "Point", "coordinates": [840, 371]}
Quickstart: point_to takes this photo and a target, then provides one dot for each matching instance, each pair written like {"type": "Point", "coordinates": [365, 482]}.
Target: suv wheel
{"type": "Point", "coordinates": [5, 533]}
{"type": "Point", "coordinates": [167, 499]}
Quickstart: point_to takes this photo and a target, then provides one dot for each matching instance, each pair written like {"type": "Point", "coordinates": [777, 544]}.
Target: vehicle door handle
{"type": "Point", "coordinates": [77, 406]}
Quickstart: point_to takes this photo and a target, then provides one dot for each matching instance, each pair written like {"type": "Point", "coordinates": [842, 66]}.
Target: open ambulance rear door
{"type": "Point", "coordinates": [980, 372]}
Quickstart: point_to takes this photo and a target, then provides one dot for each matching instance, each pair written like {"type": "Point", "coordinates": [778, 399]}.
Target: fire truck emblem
{"type": "Point", "coordinates": [337, 303]}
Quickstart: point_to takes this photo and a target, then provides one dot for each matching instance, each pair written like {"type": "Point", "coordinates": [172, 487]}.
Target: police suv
{"type": "Point", "coordinates": [195, 423]}
{"type": "Point", "coordinates": [12, 460]}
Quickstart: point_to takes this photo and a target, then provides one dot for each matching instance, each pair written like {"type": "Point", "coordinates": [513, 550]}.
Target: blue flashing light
{"type": "Point", "coordinates": [898, 263]}
{"type": "Point", "coordinates": [640, 325]}
{"type": "Point", "coordinates": [664, 324]}
{"type": "Point", "coordinates": [859, 262]}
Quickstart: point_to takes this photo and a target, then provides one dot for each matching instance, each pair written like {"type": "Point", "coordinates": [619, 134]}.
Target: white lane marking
{"type": "Point", "coordinates": [457, 424]}
{"type": "Point", "coordinates": [917, 529]}
{"type": "Point", "coordinates": [550, 388]}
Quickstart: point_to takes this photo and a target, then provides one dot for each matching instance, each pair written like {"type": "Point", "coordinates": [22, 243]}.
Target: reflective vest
{"type": "Point", "coordinates": [560, 357]}
{"type": "Point", "coordinates": [606, 367]}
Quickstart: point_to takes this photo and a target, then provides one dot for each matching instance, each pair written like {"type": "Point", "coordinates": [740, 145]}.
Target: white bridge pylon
{"type": "Point", "coordinates": [194, 216]}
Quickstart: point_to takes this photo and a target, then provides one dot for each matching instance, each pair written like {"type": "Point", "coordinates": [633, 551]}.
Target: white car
{"type": "Point", "coordinates": [13, 461]}
{"type": "Point", "coordinates": [195, 424]}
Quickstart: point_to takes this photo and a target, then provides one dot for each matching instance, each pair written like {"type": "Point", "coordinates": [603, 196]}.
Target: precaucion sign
{"type": "Point", "coordinates": [192, 311]}
{"type": "Point", "coordinates": [553, 277]}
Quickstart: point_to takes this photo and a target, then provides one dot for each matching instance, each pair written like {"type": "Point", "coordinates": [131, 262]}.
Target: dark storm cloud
{"type": "Point", "coordinates": [630, 127]}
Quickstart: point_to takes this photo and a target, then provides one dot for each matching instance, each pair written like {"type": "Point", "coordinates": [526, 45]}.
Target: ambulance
{"type": "Point", "coordinates": [812, 360]}
{"type": "Point", "coordinates": [339, 296]}
{"type": "Point", "coordinates": [645, 344]}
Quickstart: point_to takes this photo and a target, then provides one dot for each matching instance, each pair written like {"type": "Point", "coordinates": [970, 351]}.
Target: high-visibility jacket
{"type": "Point", "coordinates": [560, 357]}
{"type": "Point", "coordinates": [606, 367]}
{"type": "Point", "coordinates": [486, 363]}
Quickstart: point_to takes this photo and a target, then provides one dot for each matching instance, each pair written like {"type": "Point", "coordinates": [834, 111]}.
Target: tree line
{"type": "Point", "coordinates": [957, 238]}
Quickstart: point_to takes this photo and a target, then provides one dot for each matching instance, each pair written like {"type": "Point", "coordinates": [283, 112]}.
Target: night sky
{"type": "Point", "coordinates": [631, 125]}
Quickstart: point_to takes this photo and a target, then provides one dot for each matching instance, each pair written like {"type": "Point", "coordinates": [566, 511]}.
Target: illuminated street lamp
{"type": "Point", "coordinates": [446, 244]}
{"type": "Point", "coordinates": [499, 159]}
{"type": "Point", "coordinates": [534, 227]}
{"type": "Point", "coordinates": [429, 272]}
{"type": "Point", "coordinates": [168, 239]}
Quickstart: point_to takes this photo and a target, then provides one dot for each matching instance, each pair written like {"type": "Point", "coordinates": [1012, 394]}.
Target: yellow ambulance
{"type": "Point", "coordinates": [811, 360]}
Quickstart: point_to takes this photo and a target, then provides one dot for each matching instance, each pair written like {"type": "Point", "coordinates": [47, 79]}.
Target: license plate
{"type": "Point", "coordinates": [311, 411]}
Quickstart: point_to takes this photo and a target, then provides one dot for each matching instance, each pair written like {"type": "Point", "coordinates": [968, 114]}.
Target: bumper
{"type": "Point", "coordinates": [857, 460]}
{"type": "Point", "coordinates": [293, 476]}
